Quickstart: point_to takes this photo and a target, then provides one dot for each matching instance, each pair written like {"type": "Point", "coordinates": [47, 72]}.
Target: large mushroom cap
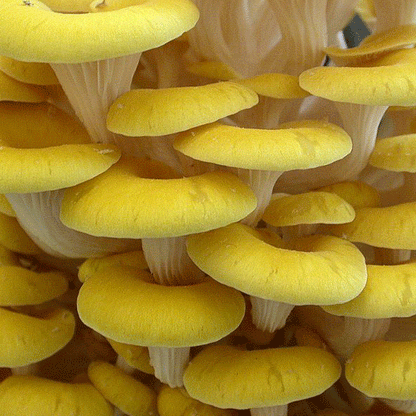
{"type": "Point", "coordinates": [124, 304]}
{"type": "Point", "coordinates": [228, 377]}
{"type": "Point", "coordinates": [311, 270]}
{"type": "Point", "coordinates": [384, 369]}
{"type": "Point", "coordinates": [155, 112]}
{"type": "Point", "coordinates": [13, 90]}
{"type": "Point", "coordinates": [44, 149]}
{"type": "Point", "coordinates": [141, 26]}
{"type": "Point", "coordinates": [34, 396]}
{"type": "Point", "coordinates": [153, 202]}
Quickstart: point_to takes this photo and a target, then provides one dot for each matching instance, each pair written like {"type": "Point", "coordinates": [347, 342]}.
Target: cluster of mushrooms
{"type": "Point", "coordinates": [207, 208]}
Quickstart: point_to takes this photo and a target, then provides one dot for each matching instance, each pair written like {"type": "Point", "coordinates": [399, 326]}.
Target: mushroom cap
{"type": "Point", "coordinates": [297, 145]}
{"type": "Point", "coordinates": [36, 73]}
{"type": "Point", "coordinates": [13, 90]}
{"type": "Point", "coordinates": [177, 402]}
{"type": "Point", "coordinates": [374, 45]}
{"type": "Point", "coordinates": [14, 237]}
{"type": "Point", "coordinates": [94, 264]}
{"type": "Point", "coordinates": [395, 154]}
{"type": "Point", "coordinates": [33, 396]}
{"type": "Point", "coordinates": [308, 208]}
{"type": "Point", "coordinates": [318, 269]}
{"type": "Point", "coordinates": [384, 369]}
{"type": "Point", "coordinates": [126, 393]}
{"type": "Point", "coordinates": [387, 227]}
{"type": "Point", "coordinates": [123, 304]}
{"type": "Point", "coordinates": [44, 149]}
{"type": "Point", "coordinates": [94, 36]}
{"type": "Point", "coordinates": [68, 6]}
{"type": "Point", "coordinates": [155, 112]}
{"type": "Point", "coordinates": [388, 293]}
{"type": "Point", "coordinates": [136, 356]}
{"type": "Point", "coordinates": [213, 70]}
{"type": "Point", "coordinates": [389, 80]}
{"type": "Point", "coordinates": [358, 194]}
{"type": "Point", "coordinates": [151, 204]}
{"type": "Point", "coordinates": [28, 339]}
{"type": "Point", "coordinates": [227, 377]}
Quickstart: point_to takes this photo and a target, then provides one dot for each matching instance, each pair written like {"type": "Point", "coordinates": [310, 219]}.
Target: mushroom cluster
{"type": "Point", "coordinates": [207, 208]}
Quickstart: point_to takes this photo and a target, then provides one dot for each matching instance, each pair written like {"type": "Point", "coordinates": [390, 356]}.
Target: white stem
{"type": "Point", "coordinates": [269, 411]}
{"type": "Point", "coordinates": [91, 87]}
{"type": "Point", "coordinates": [393, 13]}
{"type": "Point", "coordinates": [124, 365]}
{"type": "Point", "coordinates": [169, 364]}
{"type": "Point", "coordinates": [30, 369]}
{"type": "Point", "coordinates": [405, 406]}
{"type": "Point", "coordinates": [169, 262]}
{"type": "Point", "coordinates": [269, 315]}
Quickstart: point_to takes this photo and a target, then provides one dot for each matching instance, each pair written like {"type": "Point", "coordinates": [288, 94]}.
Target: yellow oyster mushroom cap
{"type": "Point", "coordinates": [395, 154]}
{"type": "Point", "coordinates": [213, 70]}
{"type": "Point", "coordinates": [311, 270]}
{"type": "Point", "coordinates": [308, 208]}
{"type": "Point", "coordinates": [124, 304]}
{"type": "Point", "coordinates": [357, 193]}
{"type": "Point", "coordinates": [94, 36]}
{"type": "Point", "coordinates": [43, 149]}
{"type": "Point", "coordinates": [227, 377]}
{"type": "Point", "coordinates": [297, 145]}
{"type": "Point", "coordinates": [36, 73]}
{"type": "Point", "coordinates": [389, 80]}
{"type": "Point", "coordinates": [68, 6]}
{"type": "Point", "coordinates": [153, 202]}
{"type": "Point", "coordinates": [28, 339]}
{"type": "Point", "coordinates": [126, 393]}
{"type": "Point", "coordinates": [386, 227]}
{"type": "Point", "coordinates": [155, 112]}
{"type": "Point", "coordinates": [14, 90]}
{"type": "Point", "coordinates": [34, 396]}
{"type": "Point", "coordinates": [389, 293]}
{"type": "Point", "coordinates": [384, 369]}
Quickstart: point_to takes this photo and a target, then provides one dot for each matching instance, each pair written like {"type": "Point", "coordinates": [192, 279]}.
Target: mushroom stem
{"type": "Point", "coordinates": [91, 88]}
{"type": "Point", "coordinates": [389, 256]}
{"type": "Point", "coordinates": [169, 364]}
{"type": "Point", "coordinates": [295, 231]}
{"type": "Point", "coordinates": [124, 365]}
{"type": "Point", "coordinates": [269, 315]}
{"type": "Point", "coordinates": [269, 411]}
{"type": "Point", "coordinates": [405, 406]}
{"type": "Point", "coordinates": [169, 262]}
{"type": "Point", "coordinates": [30, 369]}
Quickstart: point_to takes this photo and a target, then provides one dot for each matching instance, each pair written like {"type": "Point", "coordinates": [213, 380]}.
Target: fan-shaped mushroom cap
{"type": "Point", "coordinates": [297, 145]}
{"type": "Point", "coordinates": [358, 194]}
{"type": "Point", "coordinates": [308, 208]}
{"type": "Point", "coordinates": [44, 149]}
{"type": "Point", "coordinates": [13, 90]}
{"type": "Point", "coordinates": [125, 305]}
{"type": "Point", "coordinates": [144, 25]}
{"type": "Point", "coordinates": [136, 356]}
{"type": "Point", "coordinates": [374, 46]}
{"type": "Point", "coordinates": [28, 339]}
{"type": "Point", "coordinates": [395, 154]}
{"type": "Point", "coordinates": [227, 377]}
{"type": "Point", "coordinates": [95, 264]}
{"type": "Point", "coordinates": [389, 80]}
{"type": "Point", "coordinates": [13, 237]}
{"type": "Point", "coordinates": [34, 396]}
{"type": "Point", "coordinates": [384, 369]}
{"type": "Point", "coordinates": [29, 72]}
{"type": "Point", "coordinates": [213, 70]}
{"type": "Point", "coordinates": [177, 402]}
{"type": "Point", "coordinates": [312, 270]}
{"type": "Point", "coordinates": [155, 112]}
{"type": "Point", "coordinates": [387, 227]}
{"type": "Point", "coordinates": [123, 391]}
{"type": "Point", "coordinates": [152, 204]}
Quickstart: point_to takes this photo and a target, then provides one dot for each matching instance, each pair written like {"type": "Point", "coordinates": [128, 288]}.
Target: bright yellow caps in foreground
{"type": "Point", "coordinates": [13, 90]}
{"type": "Point", "coordinates": [158, 112]}
{"type": "Point", "coordinates": [298, 145]}
{"type": "Point", "coordinates": [35, 396]}
{"type": "Point", "coordinates": [384, 369]}
{"type": "Point", "coordinates": [122, 303]}
{"type": "Point", "coordinates": [227, 377]}
{"type": "Point", "coordinates": [39, 34]}
{"type": "Point", "coordinates": [153, 202]}
{"type": "Point", "coordinates": [43, 149]}
{"type": "Point", "coordinates": [312, 270]}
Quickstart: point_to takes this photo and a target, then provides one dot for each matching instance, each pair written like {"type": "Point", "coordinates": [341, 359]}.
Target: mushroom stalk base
{"type": "Point", "coordinates": [169, 364]}
{"type": "Point", "coordinates": [269, 315]}
{"type": "Point", "coordinates": [269, 411]}
{"type": "Point", "coordinates": [405, 406]}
